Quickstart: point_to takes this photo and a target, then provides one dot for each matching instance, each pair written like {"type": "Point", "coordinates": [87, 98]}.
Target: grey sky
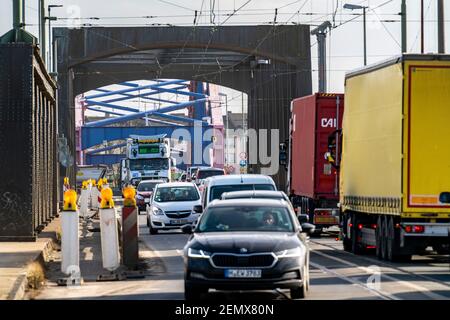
{"type": "Point", "coordinates": [345, 48]}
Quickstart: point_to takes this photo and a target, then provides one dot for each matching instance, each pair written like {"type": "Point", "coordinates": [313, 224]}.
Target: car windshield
{"type": "Point", "coordinates": [182, 193]}
{"type": "Point", "coordinates": [246, 218]}
{"type": "Point", "coordinates": [147, 186]}
{"type": "Point", "coordinates": [203, 174]}
{"type": "Point", "coordinates": [216, 191]}
{"type": "Point", "coordinates": [149, 164]}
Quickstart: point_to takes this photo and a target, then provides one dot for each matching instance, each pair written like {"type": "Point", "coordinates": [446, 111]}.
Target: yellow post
{"type": "Point", "coordinates": [70, 200]}
{"type": "Point", "coordinates": [107, 200]}
{"type": "Point", "coordinates": [129, 195]}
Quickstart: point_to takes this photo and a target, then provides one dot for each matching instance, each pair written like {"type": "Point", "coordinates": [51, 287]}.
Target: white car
{"type": "Point", "coordinates": [172, 206]}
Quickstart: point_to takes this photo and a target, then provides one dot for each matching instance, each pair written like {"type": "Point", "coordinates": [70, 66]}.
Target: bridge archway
{"type": "Point", "coordinates": [271, 64]}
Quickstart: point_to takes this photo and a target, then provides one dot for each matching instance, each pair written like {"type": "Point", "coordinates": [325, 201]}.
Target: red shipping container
{"type": "Point", "coordinates": [313, 120]}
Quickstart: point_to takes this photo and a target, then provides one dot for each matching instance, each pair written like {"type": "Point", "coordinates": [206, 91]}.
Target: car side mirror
{"type": "Point", "coordinates": [308, 228]}
{"type": "Point", "coordinates": [198, 208]}
{"type": "Point", "coordinates": [303, 218]}
{"type": "Point", "coordinates": [444, 197]}
{"type": "Point", "coordinates": [187, 228]}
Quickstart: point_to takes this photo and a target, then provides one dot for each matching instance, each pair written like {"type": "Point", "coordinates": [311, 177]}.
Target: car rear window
{"type": "Point", "coordinates": [246, 218]}
{"type": "Point", "coordinates": [147, 186]}
{"type": "Point", "coordinates": [203, 174]}
{"type": "Point", "coordinates": [217, 191]}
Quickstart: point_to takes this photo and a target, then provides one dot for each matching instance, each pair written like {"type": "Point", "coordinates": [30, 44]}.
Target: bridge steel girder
{"type": "Point", "coordinates": [92, 136]}
{"type": "Point", "coordinates": [141, 114]}
{"type": "Point", "coordinates": [108, 159]}
{"type": "Point", "coordinates": [87, 57]}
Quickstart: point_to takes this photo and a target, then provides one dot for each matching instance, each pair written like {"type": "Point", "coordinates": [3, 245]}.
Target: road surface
{"type": "Point", "coordinates": [335, 275]}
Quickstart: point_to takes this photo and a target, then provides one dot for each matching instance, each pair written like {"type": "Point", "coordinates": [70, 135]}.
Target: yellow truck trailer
{"type": "Point", "coordinates": [395, 167]}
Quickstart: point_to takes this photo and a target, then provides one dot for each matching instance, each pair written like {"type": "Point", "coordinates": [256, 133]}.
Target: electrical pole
{"type": "Point", "coordinates": [422, 28]}
{"type": "Point", "coordinates": [404, 30]}
{"type": "Point", "coordinates": [365, 36]}
{"type": "Point", "coordinates": [321, 33]}
{"type": "Point", "coordinates": [42, 37]}
{"type": "Point", "coordinates": [441, 27]}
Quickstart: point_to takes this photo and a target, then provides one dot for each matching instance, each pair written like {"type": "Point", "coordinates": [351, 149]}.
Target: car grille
{"type": "Point", "coordinates": [177, 214]}
{"type": "Point", "coordinates": [259, 260]}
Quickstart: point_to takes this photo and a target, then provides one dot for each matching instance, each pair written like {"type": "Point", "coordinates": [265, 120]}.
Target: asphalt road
{"type": "Point", "coordinates": [335, 275]}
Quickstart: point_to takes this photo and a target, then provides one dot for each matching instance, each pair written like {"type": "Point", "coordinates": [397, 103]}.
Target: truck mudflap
{"type": "Point", "coordinates": [422, 229]}
{"type": "Point", "coordinates": [326, 216]}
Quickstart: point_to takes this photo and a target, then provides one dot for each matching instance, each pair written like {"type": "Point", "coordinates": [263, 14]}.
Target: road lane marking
{"type": "Point", "coordinates": [422, 290]}
{"type": "Point", "coordinates": [388, 265]}
{"type": "Point", "coordinates": [381, 294]}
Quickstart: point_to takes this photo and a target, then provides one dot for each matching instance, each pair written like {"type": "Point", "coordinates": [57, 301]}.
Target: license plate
{"type": "Point", "coordinates": [147, 200]}
{"type": "Point", "coordinates": [325, 220]}
{"type": "Point", "coordinates": [179, 221]}
{"type": "Point", "coordinates": [243, 273]}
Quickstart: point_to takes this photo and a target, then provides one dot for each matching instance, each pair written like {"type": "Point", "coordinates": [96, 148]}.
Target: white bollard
{"type": "Point", "coordinates": [109, 232]}
{"type": "Point", "coordinates": [84, 198]}
{"type": "Point", "coordinates": [109, 239]}
{"type": "Point", "coordinates": [70, 241]}
{"type": "Point", "coordinates": [95, 194]}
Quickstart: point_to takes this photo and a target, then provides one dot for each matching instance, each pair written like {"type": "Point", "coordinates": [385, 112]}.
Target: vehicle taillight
{"type": "Point", "coordinates": [374, 226]}
{"type": "Point", "coordinates": [360, 226]}
{"type": "Point", "coordinates": [415, 229]}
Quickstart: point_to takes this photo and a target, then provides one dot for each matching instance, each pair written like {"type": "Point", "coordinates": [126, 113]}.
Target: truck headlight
{"type": "Point", "coordinates": [290, 253]}
{"type": "Point", "coordinates": [157, 211]}
{"type": "Point", "coordinates": [194, 253]}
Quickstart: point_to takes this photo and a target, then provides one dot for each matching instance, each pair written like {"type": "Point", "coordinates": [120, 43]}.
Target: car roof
{"type": "Point", "coordinates": [260, 194]}
{"type": "Point", "coordinates": [210, 169]}
{"type": "Point", "coordinates": [176, 184]}
{"type": "Point", "coordinates": [248, 202]}
{"type": "Point", "coordinates": [152, 181]}
{"type": "Point", "coordinates": [240, 179]}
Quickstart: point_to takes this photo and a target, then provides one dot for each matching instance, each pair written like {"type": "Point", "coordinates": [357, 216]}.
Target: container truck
{"type": "Point", "coordinates": [314, 137]}
{"type": "Point", "coordinates": [147, 158]}
{"type": "Point", "coordinates": [395, 168]}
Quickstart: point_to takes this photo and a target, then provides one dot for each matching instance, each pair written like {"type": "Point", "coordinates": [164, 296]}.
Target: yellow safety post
{"type": "Point", "coordinates": [129, 196]}
{"type": "Point", "coordinates": [70, 242]}
{"type": "Point", "coordinates": [130, 232]}
{"type": "Point", "coordinates": [109, 233]}
{"type": "Point", "coordinates": [70, 200]}
{"type": "Point", "coordinates": [107, 198]}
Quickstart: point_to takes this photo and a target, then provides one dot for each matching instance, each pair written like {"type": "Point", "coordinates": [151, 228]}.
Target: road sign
{"type": "Point", "coordinates": [243, 163]}
{"type": "Point", "coordinates": [243, 155]}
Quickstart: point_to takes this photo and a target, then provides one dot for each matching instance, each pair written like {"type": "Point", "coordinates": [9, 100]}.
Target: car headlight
{"type": "Point", "coordinates": [194, 253]}
{"type": "Point", "coordinates": [290, 253]}
{"type": "Point", "coordinates": [139, 197]}
{"type": "Point", "coordinates": [157, 211]}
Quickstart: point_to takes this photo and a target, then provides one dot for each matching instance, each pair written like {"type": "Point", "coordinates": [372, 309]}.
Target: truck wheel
{"type": "Point", "coordinates": [378, 237]}
{"type": "Point", "coordinates": [383, 238]}
{"type": "Point", "coordinates": [346, 241]}
{"type": "Point", "coordinates": [356, 246]}
{"type": "Point", "coordinates": [390, 240]}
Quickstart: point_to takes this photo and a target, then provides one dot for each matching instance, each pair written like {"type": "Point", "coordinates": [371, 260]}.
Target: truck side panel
{"type": "Point", "coordinates": [427, 136]}
{"type": "Point", "coordinates": [326, 177]}
{"type": "Point", "coordinates": [372, 141]}
{"type": "Point", "coordinates": [303, 146]}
